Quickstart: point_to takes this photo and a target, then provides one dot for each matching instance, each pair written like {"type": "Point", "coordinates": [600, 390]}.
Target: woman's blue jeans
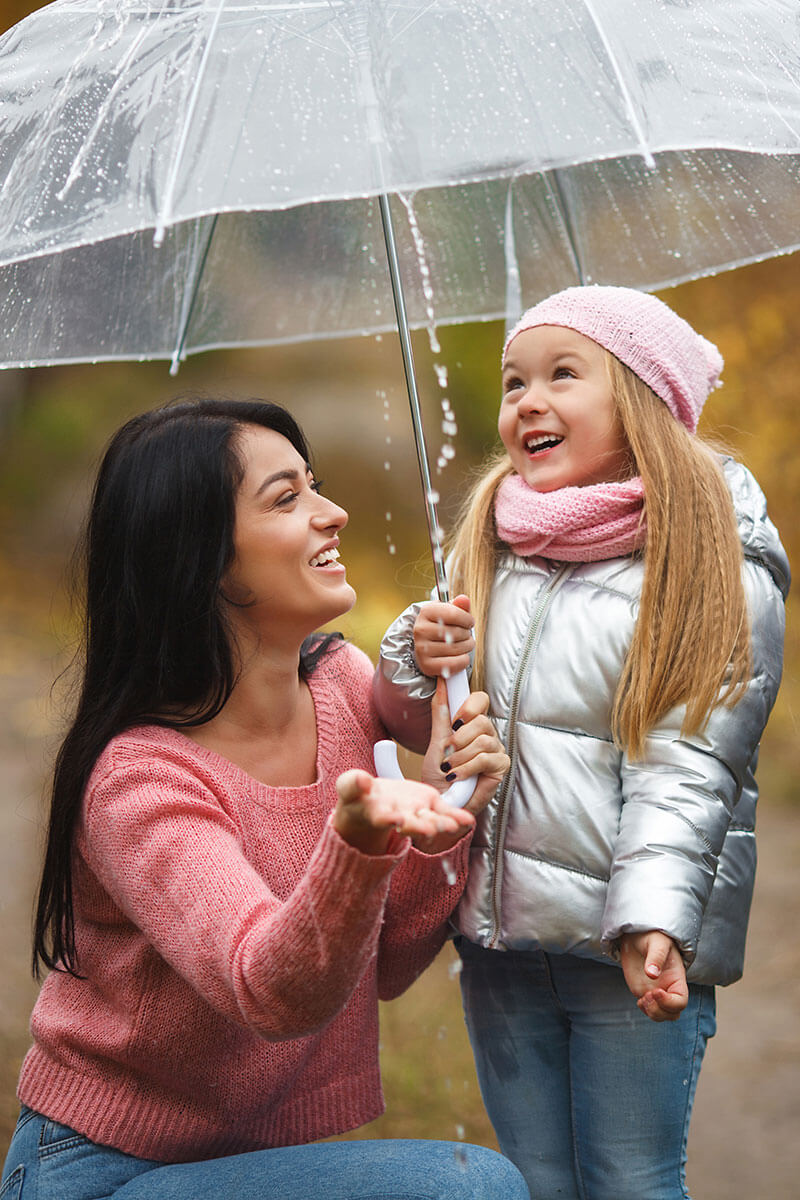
{"type": "Point", "coordinates": [587, 1096]}
{"type": "Point", "coordinates": [48, 1161]}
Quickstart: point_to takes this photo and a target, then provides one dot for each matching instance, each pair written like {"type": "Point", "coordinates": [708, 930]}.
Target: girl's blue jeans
{"type": "Point", "coordinates": [587, 1096]}
{"type": "Point", "coordinates": [48, 1161]}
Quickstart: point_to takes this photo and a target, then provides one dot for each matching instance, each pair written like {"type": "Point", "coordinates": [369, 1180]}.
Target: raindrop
{"type": "Point", "coordinates": [388, 516]}
{"type": "Point", "coordinates": [441, 1033]}
{"type": "Point", "coordinates": [449, 873]}
{"type": "Point", "coordinates": [460, 1132]}
{"type": "Point", "coordinates": [448, 452]}
{"type": "Point", "coordinates": [455, 968]}
{"type": "Point", "coordinates": [441, 374]}
{"type": "Point", "coordinates": [387, 466]}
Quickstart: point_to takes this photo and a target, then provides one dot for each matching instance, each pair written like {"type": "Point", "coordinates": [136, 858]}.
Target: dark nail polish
{"type": "Point", "coordinates": [457, 724]}
{"type": "Point", "coordinates": [445, 766]}
{"type": "Point", "coordinates": [450, 777]}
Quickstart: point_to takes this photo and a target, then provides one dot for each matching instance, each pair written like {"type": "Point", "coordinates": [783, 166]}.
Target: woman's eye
{"type": "Point", "coordinates": [316, 485]}
{"type": "Point", "coordinates": [286, 499]}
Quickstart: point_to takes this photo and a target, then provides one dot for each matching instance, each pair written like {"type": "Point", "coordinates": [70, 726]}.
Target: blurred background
{"type": "Point", "coordinates": [350, 398]}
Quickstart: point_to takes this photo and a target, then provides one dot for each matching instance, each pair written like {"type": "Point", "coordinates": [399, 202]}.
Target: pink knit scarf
{"type": "Point", "coordinates": [571, 524]}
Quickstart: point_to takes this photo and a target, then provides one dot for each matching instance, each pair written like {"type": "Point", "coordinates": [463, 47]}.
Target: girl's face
{"type": "Point", "coordinates": [558, 420]}
{"type": "Point", "coordinates": [285, 577]}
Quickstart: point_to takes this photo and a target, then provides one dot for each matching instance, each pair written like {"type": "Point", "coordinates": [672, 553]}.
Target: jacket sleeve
{"type": "Point", "coordinates": [680, 798]}
{"type": "Point", "coordinates": [401, 693]}
{"type": "Point", "coordinates": [171, 860]}
{"type": "Point", "coordinates": [425, 890]}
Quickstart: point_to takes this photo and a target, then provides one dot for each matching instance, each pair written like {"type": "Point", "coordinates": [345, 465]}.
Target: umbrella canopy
{"type": "Point", "coordinates": [199, 173]}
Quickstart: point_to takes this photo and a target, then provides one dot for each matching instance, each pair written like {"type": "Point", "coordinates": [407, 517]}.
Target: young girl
{"type": "Point", "coordinates": [628, 598]}
{"type": "Point", "coordinates": [227, 891]}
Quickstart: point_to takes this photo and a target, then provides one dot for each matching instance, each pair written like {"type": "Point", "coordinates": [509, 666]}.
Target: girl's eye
{"type": "Point", "coordinates": [563, 373]}
{"type": "Point", "coordinates": [512, 384]}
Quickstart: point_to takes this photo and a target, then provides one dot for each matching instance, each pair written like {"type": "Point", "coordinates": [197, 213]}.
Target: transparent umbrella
{"type": "Point", "coordinates": [188, 174]}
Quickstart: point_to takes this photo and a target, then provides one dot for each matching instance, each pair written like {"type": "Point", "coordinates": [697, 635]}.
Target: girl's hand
{"type": "Point", "coordinates": [656, 974]}
{"type": "Point", "coordinates": [469, 746]}
{"type": "Point", "coordinates": [443, 638]}
{"type": "Point", "coordinates": [370, 811]}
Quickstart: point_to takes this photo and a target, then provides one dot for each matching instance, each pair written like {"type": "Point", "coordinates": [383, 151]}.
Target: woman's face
{"type": "Point", "coordinates": [285, 578]}
{"type": "Point", "coordinates": [558, 420]}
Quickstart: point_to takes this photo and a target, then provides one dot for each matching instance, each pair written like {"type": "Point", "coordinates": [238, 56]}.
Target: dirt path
{"type": "Point", "coordinates": [744, 1139]}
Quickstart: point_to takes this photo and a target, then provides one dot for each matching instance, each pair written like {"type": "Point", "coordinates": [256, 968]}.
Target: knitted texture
{"type": "Point", "coordinates": [679, 365]}
{"type": "Point", "coordinates": [234, 947]}
{"type": "Point", "coordinates": [571, 524]}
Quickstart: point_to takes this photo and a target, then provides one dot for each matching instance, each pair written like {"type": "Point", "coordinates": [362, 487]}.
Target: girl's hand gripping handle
{"type": "Point", "coordinates": [385, 752]}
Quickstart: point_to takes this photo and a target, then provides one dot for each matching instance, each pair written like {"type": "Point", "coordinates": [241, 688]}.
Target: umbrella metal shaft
{"type": "Point", "coordinates": [442, 586]}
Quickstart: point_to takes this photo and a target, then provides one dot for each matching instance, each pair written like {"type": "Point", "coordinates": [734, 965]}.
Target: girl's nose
{"type": "Point", "coordinates": [532, 400]}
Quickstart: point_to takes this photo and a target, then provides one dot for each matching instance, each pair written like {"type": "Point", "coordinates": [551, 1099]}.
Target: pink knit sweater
{"type": "Point", "coordinates": [234, 947]}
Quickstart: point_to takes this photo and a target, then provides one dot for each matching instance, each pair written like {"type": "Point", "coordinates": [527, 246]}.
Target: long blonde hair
{"type": "Point", "coordinates": [691, 641]}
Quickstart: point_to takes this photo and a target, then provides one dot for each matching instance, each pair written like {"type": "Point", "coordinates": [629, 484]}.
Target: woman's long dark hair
{"type": "Point", "coordinates": [158, 541]}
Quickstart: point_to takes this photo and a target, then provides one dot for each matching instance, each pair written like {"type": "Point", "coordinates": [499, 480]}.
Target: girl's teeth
{"type": "Point", "coordinates": [539, 443]}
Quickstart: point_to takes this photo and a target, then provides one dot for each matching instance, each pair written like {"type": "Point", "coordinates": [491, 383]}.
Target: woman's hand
{"type": "Point", "coordinates": [369, 811]}
{"type": "Point", "coordinates": [443, 640]}
{"type": "Point", "coordinates": [469, 746]}
{"type": "Point", "coordinates": [655, 973]}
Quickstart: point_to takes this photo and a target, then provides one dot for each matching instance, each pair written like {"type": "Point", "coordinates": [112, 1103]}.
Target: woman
{"type": "Point", "coordinates": [226, 890]}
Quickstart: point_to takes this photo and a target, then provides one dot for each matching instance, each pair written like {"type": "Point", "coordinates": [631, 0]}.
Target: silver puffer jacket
{"type": "Point", "coordinates": [580, 844]}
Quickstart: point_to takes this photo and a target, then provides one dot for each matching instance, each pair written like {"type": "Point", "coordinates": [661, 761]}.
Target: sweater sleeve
{"type": "Point", "coordinates": [161, 845]}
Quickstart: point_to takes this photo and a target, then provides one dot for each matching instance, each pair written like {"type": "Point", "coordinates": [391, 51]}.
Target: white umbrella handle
{"type": "Point", "coordinates": [385, 753]}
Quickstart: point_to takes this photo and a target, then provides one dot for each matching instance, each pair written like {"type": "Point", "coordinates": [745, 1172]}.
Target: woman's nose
{"type": "Point", "coordinates": [330, 515]}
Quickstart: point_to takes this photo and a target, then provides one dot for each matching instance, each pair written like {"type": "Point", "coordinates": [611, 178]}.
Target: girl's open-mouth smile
{"type": "Point", "coordinates": [538, 444]}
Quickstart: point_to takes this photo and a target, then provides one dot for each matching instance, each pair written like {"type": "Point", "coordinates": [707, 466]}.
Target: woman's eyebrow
{"type": "Point", "coordinates": [288, 474]}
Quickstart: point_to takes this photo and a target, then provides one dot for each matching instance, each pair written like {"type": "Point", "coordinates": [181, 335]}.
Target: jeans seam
{"type": "Point", "coordinates": [690, 1092]}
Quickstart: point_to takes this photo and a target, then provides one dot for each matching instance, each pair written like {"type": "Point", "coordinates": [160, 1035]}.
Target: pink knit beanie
{"type": "Point", "coordinates": [641, 331]}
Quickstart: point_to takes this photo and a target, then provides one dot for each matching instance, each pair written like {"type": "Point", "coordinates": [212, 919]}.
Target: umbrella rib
{"type": "Point", "coordinates": [552, 182]}
{"type": "Point", "coordinates": [190, 296]}
{"type": "Point", "coordinates": [163, 217]}
{"type": "Point", "coordinates": [412, 20]}
{"type": "Point", "coordinates": [638, 129]}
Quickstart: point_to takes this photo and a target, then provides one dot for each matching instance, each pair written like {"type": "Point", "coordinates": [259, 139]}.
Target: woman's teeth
{"type": "Point", "coordinates": [544, 441]}
{"type": "Point", "coordinates": [327, 556]}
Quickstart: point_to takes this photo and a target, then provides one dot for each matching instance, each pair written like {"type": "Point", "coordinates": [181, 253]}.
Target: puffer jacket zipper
{"type": "Point", "coordinates": [529, 645]}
